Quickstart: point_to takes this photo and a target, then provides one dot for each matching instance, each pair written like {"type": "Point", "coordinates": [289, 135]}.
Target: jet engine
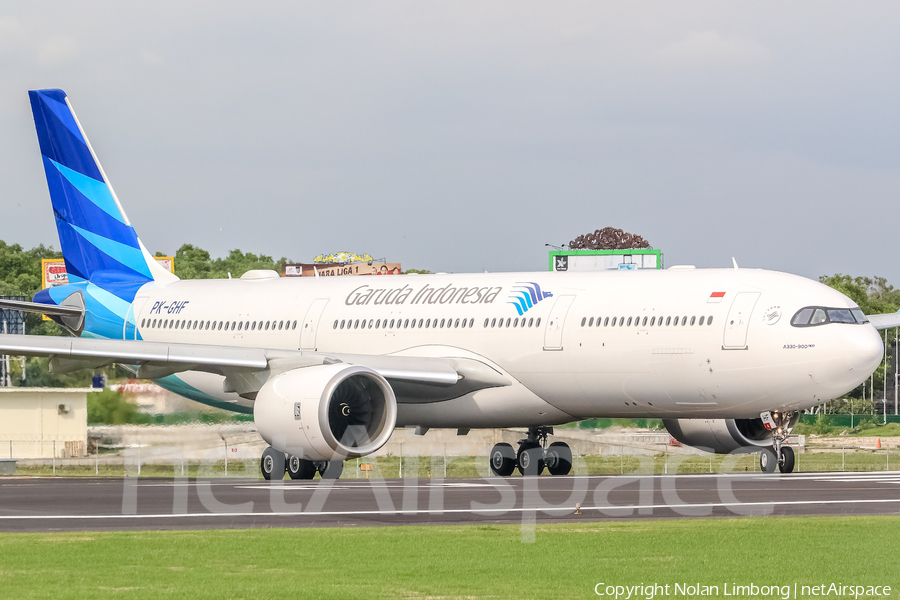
{"type": "Point", "coordinates": [326, 412]}
{"type": "Point", "coordinates": [721, 436]}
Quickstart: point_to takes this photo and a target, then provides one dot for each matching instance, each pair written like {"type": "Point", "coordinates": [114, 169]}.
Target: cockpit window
{"type": "Point", "coordinates": [816, 315]}
{"type": "Point", "coordinates": [840, 315]}
{"type": "Point", "coordinates": [802, 317]}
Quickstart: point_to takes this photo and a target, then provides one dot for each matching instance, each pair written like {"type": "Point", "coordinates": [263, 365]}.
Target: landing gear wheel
{"type": "Point", "coordinates": [767, 460]}
{"type": "Point", "coordinates": [558, 458]}
{"type": "Point", "coordinates": [530, 459]}
{"type": "Point", "coordinates": [787, 460]}
{"type": "Point", "coordinates": [272, 464]}
{"type": "Point", "coordinates": [503, 460]}
{"type": "Point", "coordinates": [330, 469]}
{"type": "Point", "coordinates": [299, 468]}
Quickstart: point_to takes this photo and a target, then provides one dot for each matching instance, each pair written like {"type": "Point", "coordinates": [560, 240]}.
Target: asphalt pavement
{"type": "Point", "coordinates": [130, 504]}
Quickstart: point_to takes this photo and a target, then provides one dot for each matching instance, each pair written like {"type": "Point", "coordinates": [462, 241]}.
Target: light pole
{"type": "Point", "coordinates": [884, 379]}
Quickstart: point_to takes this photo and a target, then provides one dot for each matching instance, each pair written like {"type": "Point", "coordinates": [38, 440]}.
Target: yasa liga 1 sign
{"type": "Point", "coordinates": [333, 270]}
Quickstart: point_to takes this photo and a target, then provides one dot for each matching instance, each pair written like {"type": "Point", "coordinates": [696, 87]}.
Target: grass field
{"type": "Point", "coordinates": [831, 459]}
{"type": "Point", "coordinates": [889, 430]}
{"type": "Point", "coordinates": [439, 562]}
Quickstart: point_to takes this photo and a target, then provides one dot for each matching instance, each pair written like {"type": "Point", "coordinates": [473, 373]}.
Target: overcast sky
{"type": "Point", "coordinates": [463, 136]}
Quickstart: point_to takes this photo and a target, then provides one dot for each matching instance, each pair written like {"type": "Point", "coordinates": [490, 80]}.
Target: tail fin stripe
{"type": "Point", "coordinates": [73, 207]}
{"type": "Point", "coordinates": [64, 114]}
{"type": "Point", "coordinates": [110, 302]}
{"type": "Point", "coordinates": [95, 191]}
{"type": "Point", "coordinates": [59, 143]}
{"type": "Point", "coordinates": [128, 256]}
{"type": "Point", "coordinates": [83, 259]}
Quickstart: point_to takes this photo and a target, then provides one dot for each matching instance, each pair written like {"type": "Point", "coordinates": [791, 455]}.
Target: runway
{"type": "Point", "coordinates": [105, 504]}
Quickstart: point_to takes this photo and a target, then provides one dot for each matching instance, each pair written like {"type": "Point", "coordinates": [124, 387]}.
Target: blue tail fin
{"type": "Point", "coordinates": [97, 240]}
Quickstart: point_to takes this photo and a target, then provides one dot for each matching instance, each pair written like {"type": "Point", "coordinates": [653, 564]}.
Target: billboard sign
{"type": "Point", "coordinates": [338, 270]}
{"type": "Point", "coordinates": [342, 258]}
{"type": "Point", "coordinates": [53, 270]}
{"type": "Point", "coordinates": [632, 259]}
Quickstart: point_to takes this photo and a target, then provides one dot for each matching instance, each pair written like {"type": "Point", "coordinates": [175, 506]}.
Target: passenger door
{"type": "Point", "coordinates": [311, 324]}
{"type": "Point", "coordinates": [739, 320]}
{"type": "Point", "coordinates": [556, 321]}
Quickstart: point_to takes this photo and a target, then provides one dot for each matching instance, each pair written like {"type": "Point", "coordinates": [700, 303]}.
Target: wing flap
{"type": "Point", "coordinates": [414, 379]}
{"type": "Point", "coordinates": [100, 352]}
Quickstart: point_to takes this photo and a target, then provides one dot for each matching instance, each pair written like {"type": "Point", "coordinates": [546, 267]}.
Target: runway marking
{"type": "Point", "coordinates": [895, 479]}
{"type": "Point", "coordinates": [493, 481]}
{"type": "Point", "coordinates": [338, 484]}
{"type": "Point", "coordinates": [388, 484]}
{"type": "Point", "coordinates": [479, 511]}
{"type": "Point", "coordinates": [836, 475]}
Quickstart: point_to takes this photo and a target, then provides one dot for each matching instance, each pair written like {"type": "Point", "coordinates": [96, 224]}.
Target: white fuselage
{"type": "Point", "coordinates": [567, 359]}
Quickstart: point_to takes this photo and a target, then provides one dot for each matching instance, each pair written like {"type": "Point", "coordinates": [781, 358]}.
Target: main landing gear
{"type": "Point", "coordinates": [274, 463]}
{"type": "Point", "coordinates": [780, 455]}
{"type": "Point", "coordinates": [533, 455]}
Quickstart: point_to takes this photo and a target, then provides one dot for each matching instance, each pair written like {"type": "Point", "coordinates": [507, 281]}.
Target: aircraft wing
{"type": "Point", "coordinates": [885, 321]}
{"type": "Point", "coordinates": [247, 369]}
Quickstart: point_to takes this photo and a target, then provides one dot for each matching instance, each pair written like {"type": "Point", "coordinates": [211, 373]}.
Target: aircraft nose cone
{"type": "Point", "coordinates": [863, 350]}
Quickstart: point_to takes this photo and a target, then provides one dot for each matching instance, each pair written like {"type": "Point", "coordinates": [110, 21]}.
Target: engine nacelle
{"type": "Point", "coordinates": [721, 436]}
{"type": "Point", "coordinates": [326, 412]}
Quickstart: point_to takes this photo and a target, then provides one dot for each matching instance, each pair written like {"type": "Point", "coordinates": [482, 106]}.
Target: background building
{"type": "Point", "coordinates": [605, 260]}
{"type": "Point", "coordinates": [43, 422]}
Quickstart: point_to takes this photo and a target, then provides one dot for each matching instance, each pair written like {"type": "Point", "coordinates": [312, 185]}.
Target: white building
{"type": "Point", "coordinates": [43, 422]}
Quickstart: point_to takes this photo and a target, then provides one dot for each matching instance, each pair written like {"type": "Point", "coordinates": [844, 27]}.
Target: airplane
{"type": "Point", "coordinates": [330, 366]}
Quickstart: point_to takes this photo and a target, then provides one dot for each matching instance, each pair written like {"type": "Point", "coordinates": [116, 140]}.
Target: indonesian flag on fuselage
{"type": "Point", "coordinates": [715, 297]}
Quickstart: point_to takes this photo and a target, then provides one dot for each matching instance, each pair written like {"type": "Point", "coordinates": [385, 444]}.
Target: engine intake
{"type": "Point", "coordinates": [721, 436]}
{"type": "Point", "coordinates": [326, 412]}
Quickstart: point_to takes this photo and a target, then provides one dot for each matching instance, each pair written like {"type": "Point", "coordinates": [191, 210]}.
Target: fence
{"type": "Point", "coordinates": [448, 461]}
{"type": "Point", "coordinates": [845, 420]}
{"type": "Point", "coordinates": [36, 447]}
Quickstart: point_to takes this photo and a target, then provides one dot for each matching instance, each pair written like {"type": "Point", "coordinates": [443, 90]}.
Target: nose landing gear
{"type": "Point", "coordinates": [780, 455]}
{"type": "Point", "coordinates": [533, 455]}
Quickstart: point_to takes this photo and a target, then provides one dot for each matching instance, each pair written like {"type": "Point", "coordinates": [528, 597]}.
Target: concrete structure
{"type": "Point", "coordinates": [43, 422]}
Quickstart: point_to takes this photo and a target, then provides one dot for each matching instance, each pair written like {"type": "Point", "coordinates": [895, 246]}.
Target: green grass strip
{"type": "Point", "coordinates": [439, 562]}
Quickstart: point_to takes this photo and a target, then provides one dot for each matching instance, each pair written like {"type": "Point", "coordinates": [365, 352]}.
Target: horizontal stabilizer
{"type": "Point", "coordinates": [39, 307]}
